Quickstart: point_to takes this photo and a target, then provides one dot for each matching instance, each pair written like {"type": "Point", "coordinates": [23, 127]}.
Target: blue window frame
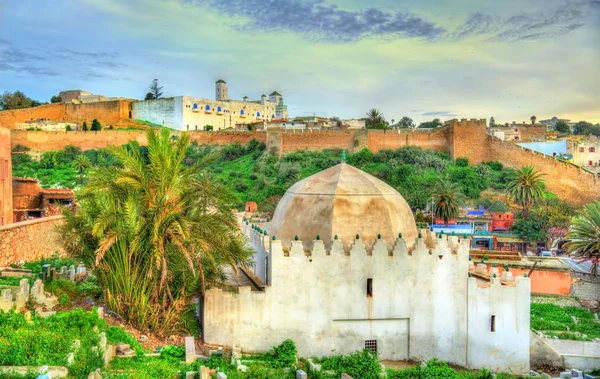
{"type": "Point", "coordinates": [208, 107]}
{"type": "Point", "coordinates": [195, 106]}
{"type": "Point", "coordinates": [257, 114]}
{"type": "Point", "coordinates": [218, 109]}
{"type": "Point", "coordinates": [242, 111]}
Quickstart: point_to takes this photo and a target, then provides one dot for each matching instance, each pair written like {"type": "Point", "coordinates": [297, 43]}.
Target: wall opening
{"type": "Point", "coordinates": [371, 345]}
{"type": "Point", "coordinates": [493, 323]}
{"type": "Point", "coordinates": [370, 287]}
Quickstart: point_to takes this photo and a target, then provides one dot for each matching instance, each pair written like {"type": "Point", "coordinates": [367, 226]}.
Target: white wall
{"type": "Point", "coordinates": [162, 112]}
{"type": "Point", "coordinates": [228, 117]}
{"type": "Point", "coordinates": [419, 308]}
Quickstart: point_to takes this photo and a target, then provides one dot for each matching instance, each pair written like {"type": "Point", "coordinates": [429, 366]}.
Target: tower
{"type": "Point", "coordinates": [221, 93]}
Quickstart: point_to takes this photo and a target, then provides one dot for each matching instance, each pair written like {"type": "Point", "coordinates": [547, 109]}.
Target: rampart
{"type": "Point", "coordinates": [105, 112]}
{"type": "Point", "coordinates": [434, 139]}
{"type": "Point", "coordinates": [417, 302]}
{"type": "Point", "coordinates": [30, 240]}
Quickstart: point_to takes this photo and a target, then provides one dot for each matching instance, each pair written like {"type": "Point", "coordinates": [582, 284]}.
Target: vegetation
{"type": "Point", "coordinates": [17, 100]}
{"type": "Point", "coordinates": [526, 187]}
{"type": "Point", "coordinates": [84, 127]}
{"type": "Point", "coordinates": [435, 123]}
{"type": "Point", "coordinates": [585, 128]}
{"type": "Point", "coordinates": [584, 235]}
{"type": "Point", "coordinates": [376, 120]}
{"type": "Point", "coordinates": [406, 122]}
{"type": "Point", "coordinates": [155, 231]}
{"type": "Point", "coordinates": [546, 214]}
{"type": "Point", "coordinates": [562, 127]}
{"type": "Point", "coordinates": [564, 322]}
{"type": "Point", "coordinates": [55, 99]}
{"type": "Point", "coordinates": [155, 91]}
{"type": "Point", "coordinates": [96, 126]}
{"type": "Point", "coordinates": [447, 199]}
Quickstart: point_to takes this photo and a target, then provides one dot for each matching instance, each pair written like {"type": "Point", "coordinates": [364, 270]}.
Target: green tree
{"type": "Point", "coordinates": [84, 127]}
{"type": "Point", "coordinates": [96, 125]}
{"type": "Point", "coordinates": [584, 236]}
{"type": "Point", "coordinates": [406, 122]}
{"type": "Point", "coordinates": [208, 128]}
{"type": "Point", "coordinates": [526, 187]}
{"type": "Point", "coordinates": [16, 100]}
{"type": "Point", "coordinates": [55, 99]}
{"type": "Point", "coordinates": [447, 200]}
{"type": "Point", "coordinates": [562, 127]}
{"type": "Point", "coordinates": [81, 164]}
{"type": "Point", "coordinates": [155, 231]}
{"type": "Point", "coordinates": [533, 118]}
{"type": "Point", "coordinates": [376, 120]}
{"type": "Point", "coordinates": [155, 89]}
{"type": "Point", "coordinates": [585, 128]}
{"type": "Point", "coordinates": [430, 124]}
{"type": "Point", "coordinates": [68, 128]}
{"type": "Point", "coordinates": [149, 96]}
{"type": "Point", "coordinates": [492, 122]}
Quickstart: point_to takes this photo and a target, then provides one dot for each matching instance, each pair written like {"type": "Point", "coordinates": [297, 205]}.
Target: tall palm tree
{"type": "Point", "coordinates": [80, 164]}
{"type": "Point", "coordinates": [526, 187]}
{"type": "Point", "coordinates": [584, 235]}
{"type": "Point", "coordinates": [447, 199]}
{"type": "Point", "coordinates": [155, 231]}
{"type": "Point", "coordinates": [374, 118]}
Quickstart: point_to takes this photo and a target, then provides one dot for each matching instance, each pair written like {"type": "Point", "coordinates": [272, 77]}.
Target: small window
{"type": "Point", "coordinates": [371, 345]}
{"type": "Point", "coordinates": [208, 107]}
{"type": "Point", "coordinates": [242, 111]}
{"type": "Point", "coordinates": [188, 127]}
{"type": "Point", "coordinates": [195, 106]}
{"type": "Point", "coordinates": [592, 149]}
{"type": "Point", "coordinates": [257, 114]}
{"type": "Point", "coordinates": [589, 163]}
{"type": "Point", "coordinates": [369, 287]}
{"type": "Point", "coordinates": [196, 127]}
{"type": "Point", "coordinates": [493, 323]}
{"type": "Point", "coordinates": [581, 149]}
{"type": "Point", "coordinates": [219, 109]}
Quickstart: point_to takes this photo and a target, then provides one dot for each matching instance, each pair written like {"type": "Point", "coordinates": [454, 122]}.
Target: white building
{"type": "Point", "coordinates": [190, 113]}
{"type": "Point", "coordinates": [344, 268]}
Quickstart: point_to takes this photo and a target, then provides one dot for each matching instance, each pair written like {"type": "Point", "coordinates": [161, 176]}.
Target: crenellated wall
{"type": "Point", "coordinates": [422, 304]}
{"type": "Point", "coordinates": [30, 240]}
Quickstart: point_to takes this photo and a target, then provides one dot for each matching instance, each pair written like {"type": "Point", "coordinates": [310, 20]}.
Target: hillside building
{"type": "Point", "coordinates": [31, 201]}
{"type": "Point", "coordinates": [586, 153]}
{"type": "Point", "coordinates": [191, 113]}
{"type": "Point", "coordinates": [342, 267]}
{"type": "Point", "coordinates": [6, 202]}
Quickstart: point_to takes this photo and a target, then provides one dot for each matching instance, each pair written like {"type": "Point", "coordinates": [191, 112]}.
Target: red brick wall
{"type": "Point", "coordinates": [225, 138]}
{"type": "Point", "coordinates": [316, 140]}
{"type": "Point", "coordinates": [436, 139]}
{"type": "Point", "coordinates": [30, 240]}
{"type": "Point", "coordinates": [5, 178]}
{"type": "Point", "coordinates": [467, 139]}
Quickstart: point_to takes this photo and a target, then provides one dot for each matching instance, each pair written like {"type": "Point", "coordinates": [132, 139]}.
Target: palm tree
{"type": "Point", "coordinates": [533, 118]}
{"type": "Point", "coordinates": [155, 231]}
{"type": "Point", "coordinates": [374, 118]}
{"type": "Point", "coordinates": [526, 187]}
{"type": "Point", "coordinates": [447, 199]}
{"type": "Point", "coordinates": [80, 164]}
{"type": "Point", "coordinates": [584, 235]}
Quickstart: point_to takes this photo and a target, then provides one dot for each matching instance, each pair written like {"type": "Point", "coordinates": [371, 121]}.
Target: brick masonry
{"type": "Point", "coordinates": [585, 286]}
{"type": "Point", "coordinates": [30, 240]}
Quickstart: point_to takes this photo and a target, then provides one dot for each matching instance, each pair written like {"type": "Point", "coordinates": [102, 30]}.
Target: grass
{"type": "Point", "coordinates": [556, 321]}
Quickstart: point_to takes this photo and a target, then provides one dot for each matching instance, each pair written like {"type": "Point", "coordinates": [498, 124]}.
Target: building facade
{"type": "Point", "coordinates": [358, 275]}
{"type": "Point", "coordinates": [6, 201]}
{"type": "Point", "coordinates": [586, 153]}
{"type": "Point", "coordinates": [191, 113]}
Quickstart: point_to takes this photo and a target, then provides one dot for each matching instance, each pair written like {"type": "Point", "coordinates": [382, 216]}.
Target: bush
{"type": "Point", "coordinates": [462, 162]}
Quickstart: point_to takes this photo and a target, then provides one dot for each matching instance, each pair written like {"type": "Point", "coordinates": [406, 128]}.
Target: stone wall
{"type": "Point", "coordinates": [6, 202]}
{"type": "Point", "coordinates": [569, 182]}
{"type": "Point", "coordinates": [585, 286]}
{"type": "Point", "coordinates": [467, 139]}
{"type": "Point", "coordinates": [316, 140]}
{"type": "Point", "coordinates": [436, 139]}
{"type": "Point", "coordinates": [105, 112]}
{"type": "Point", "coordinates": [533, 132]}
{"type": "Point", "coordinates": [30, 240]}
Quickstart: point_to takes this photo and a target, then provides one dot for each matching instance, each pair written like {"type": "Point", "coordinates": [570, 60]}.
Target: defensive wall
{"type": "Point", "coordinates": [460, 138]}
{"type": "Point", "coordinates": [416, 302]}
{"type": "Point", "coordinates": [105, 112]}
{"type": "Point", "coordinates": [30, 240]}
{"type": "Point", "coordinates": [6, 197]}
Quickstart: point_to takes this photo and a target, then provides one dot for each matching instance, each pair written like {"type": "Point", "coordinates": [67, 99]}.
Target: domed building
{"type": "Point", "coordinates": [342, 201]}
{"type": "Point", "coordinates": [396, 295]}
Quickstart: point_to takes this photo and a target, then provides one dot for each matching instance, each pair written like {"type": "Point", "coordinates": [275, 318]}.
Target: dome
{"type": "Point", "coordinates": [344, 201]}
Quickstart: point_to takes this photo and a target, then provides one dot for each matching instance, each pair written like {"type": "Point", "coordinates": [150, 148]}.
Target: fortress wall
{"type": "Point", "coordinates": [436, 139]}
{"type": "Point", "coordinates": [105, 112]}
{"type": "Point", "coordinates": [467, 139]}
{"type": "Point", "coordinates": [316, 140]}
{"type": "Point", "coordinates": [534, 132]}
{"type": "Point", "coordinates": [6, 193]}
{"type": "Point", "coordinates": [569, 182]}
{"type": "Point", "coordinates": [226, 138]}
{"type": "Point", "coordinates": [30, 240]}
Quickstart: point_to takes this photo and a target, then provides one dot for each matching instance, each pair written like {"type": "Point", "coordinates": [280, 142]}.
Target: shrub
{"type": "Point", "coordinates": [462, 162]}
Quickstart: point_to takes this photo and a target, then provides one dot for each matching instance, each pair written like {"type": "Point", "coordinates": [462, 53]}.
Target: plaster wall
{"type": "Point", "coordinates": [542, 354]}
{"type": "Point", "coordinates": [223, 114]}
{"type": "Point", "coordinates": [418, 308]}
{"type": "Point", "coordinates": [6, 201]}
{"type": "Point", "coordinates": [161, 112]}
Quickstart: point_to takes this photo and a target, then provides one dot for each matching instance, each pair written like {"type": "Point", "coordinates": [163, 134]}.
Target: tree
{"type": "Point", "coordinates": [84, 127]}
{"type": "Point", "coordinates": [406, 122]}
{"type": "Point", "coordinates": [584, 235]}
{"type": "Point", "coordinates": [68, 128]}
{"type": "Point", "coordinates": [447, 199]}
{"type": "Point", "coordinates": [430, 124]}
{"type": "Point", "coordinates": [533, 118]}
{"type": "Point", "coordinates": [526, 187]}
{"type": "Point", "coordinates": [149, 96]}
{"type": "Point", "coordinates": [375, 119]}
{"type": "Point", "coordinates": [208, 128]}
{"type": "Point", "coordinates": [155, 231]}
{"type": "Point", "coordinates": [338, 121]}
{"type": "Point", "coordinates": [55, 99]}
{"type": "Point", "coordinates": [562, 127]}
{"type": "Point", "coordinates": [155, 90]}
{"type": "Point", "coordinates": [585, 128]}
{"type": "Point", "coordinates": [16, 100]}
{"type": "Point", "coordinates": [96, 125]}
{"type": "Point", "coordinates": [492, 122]}
{"type": "Point", "coordinates": [80, 164]}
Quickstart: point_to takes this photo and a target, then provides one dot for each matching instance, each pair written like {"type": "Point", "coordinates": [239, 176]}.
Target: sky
{"type": "Point", "coordinates": [424, 59]}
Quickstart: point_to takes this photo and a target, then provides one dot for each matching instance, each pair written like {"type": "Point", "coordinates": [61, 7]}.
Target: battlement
{"type": "Point", "coordinates": [466, 122]}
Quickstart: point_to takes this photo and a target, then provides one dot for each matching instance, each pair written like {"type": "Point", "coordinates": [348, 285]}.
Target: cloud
{"type": "Point", "coordinates": [439, 113]}
{"type": "Point", "coordinates": [317, 21]}
{"type": "Point", "coordinates": [553, 22]}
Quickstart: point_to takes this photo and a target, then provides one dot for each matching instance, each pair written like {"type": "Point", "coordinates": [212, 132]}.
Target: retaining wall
{"type": "Point", "coordinates": [585, 286]}
{"type": "Point", "coordinates": [30, 240]}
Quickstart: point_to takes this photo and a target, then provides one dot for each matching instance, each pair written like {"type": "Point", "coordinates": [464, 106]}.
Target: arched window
{"type": "Point", "coordinates": [273, 115]}
{"type": "Point", "coordinates": [207, 107]}
{"type": "Point", "coordinates": [195, 106]}
{"type": "Point", "coordinates": [257, 114]}
{"type": "Point", "coordinates": [242, 111]}
{"type": "Point", "coordinates": [218, 109]}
